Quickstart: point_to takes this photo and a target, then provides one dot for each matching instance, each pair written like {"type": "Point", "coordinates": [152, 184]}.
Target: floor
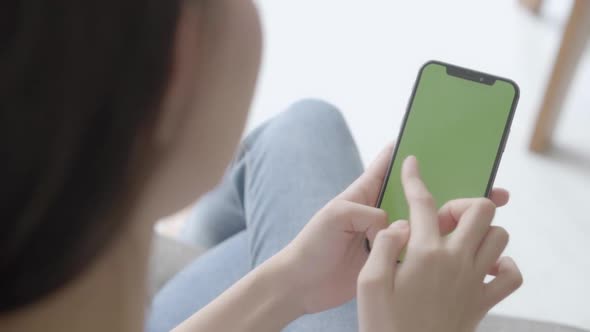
{"type": "Point", "coordinates": [363, 57]}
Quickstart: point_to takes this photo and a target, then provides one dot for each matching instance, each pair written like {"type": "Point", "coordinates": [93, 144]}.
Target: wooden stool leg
{"type": "Point", "coordinates": [575, 38]}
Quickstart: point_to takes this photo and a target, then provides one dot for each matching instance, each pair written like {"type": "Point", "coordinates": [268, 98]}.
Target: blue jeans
{"type": "Point", "coordinates": [285, 171]}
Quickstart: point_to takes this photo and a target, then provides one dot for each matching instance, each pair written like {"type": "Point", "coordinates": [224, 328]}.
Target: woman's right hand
{"type": "Point", "coordinates": [440, 284]}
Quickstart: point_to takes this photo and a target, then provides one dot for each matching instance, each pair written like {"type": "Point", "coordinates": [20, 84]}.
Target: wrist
{"type": "Point", "coordinates": [261, 301]}
{"type": "Point", "coordinates": [284, 300]}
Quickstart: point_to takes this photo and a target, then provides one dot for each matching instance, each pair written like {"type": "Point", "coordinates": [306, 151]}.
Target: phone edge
{"type": "Point", "coordinates": [501, 147]}
{"type": "Point", "coordinates": [505, 134]}
{"type": "Point", "coordinates": [401, 131]}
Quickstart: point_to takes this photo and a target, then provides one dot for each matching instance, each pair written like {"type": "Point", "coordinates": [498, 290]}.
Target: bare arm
{"type": "Point", "coordinates": [318, 270]}
{"type": "Point", "coordinates": [261, 301]}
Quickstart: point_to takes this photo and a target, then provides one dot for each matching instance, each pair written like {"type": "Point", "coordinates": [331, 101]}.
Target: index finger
{"type": "Point", "coordinates": [423, 214]}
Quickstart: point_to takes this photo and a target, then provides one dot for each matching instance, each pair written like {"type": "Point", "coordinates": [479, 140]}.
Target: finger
{"type": "Point", "coordinates": [500, 196]}
{"type": "Point", "coordinates": [365, 190]}
{"type": "Point", "coordinates": [423, 215]}
{"type": "Point", "coordinates": [491, 248]}
{"type": "Point", "coordinates": [451, 212]}
{"type": "Point", "coordinates": [358, 218]}
{"type": "Point", "coordinates": [508, 279]}
{"type": "Point", "coordinates": [379, 270]}
{"type": "Point", "coordinates": [376, 279]}
{"type": "Point", "coordinates": [473, 225]}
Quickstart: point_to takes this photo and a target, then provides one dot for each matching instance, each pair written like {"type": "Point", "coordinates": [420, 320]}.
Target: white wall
{"type": "Point", "coordinates": [363, 56]}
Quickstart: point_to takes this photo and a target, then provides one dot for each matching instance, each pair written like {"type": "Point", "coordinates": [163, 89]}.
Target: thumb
{"type": "Point", "coordinates": [365, 190]}
{"type": "Point", "coordinates": [379, 270]}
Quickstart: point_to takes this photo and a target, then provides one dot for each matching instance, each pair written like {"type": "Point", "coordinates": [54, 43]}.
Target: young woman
{"type": "Point", "coordinates": [116, 113]}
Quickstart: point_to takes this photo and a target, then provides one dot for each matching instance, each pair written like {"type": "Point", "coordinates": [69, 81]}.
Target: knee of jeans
{"type": "Point", "coordinates": [315, 112]}
{"type": "Point", "coordinates": [202, 231]}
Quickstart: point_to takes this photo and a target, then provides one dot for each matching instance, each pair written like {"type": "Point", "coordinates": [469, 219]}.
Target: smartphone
{"type": "Point", "coordinates": [456, 124]}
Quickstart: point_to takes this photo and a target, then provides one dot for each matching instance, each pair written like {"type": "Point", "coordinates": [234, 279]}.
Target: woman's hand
{"type": "Point", "coordinates": [440, 284]}
{"type": "Point", "coordinates": [325, 259]}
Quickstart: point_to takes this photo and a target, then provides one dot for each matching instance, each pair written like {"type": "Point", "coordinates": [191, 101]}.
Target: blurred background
{"type": "Point", "coordinates": [363, 56]}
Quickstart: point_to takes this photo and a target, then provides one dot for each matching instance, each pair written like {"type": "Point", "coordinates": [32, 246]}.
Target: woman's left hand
{"type": "Point", "coordinates": [323, 262]}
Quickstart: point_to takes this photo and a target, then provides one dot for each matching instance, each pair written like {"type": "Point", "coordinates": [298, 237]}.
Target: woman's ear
{"type": "Point", "coordinates": [180, 92]}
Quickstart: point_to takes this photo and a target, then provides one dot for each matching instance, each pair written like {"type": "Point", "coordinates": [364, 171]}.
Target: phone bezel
{"type": "Point", "coordinates": [468, 74]}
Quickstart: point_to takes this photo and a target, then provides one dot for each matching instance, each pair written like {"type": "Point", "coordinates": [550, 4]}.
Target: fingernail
{"type": "Point", "coordinates": [410, 163]}
{"type": "Point", "coordinates": [414, 161]}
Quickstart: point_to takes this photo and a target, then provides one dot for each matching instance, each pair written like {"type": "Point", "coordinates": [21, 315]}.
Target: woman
{"type": "Point", "coordinates": [116, 113]}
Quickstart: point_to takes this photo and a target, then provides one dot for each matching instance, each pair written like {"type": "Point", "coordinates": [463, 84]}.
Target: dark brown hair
{"type": "Point", "coordinates": [78, 81]}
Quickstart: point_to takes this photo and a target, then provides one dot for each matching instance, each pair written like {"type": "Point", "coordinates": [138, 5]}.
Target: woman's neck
{"type": "Point", "coordinates": [109, 296]}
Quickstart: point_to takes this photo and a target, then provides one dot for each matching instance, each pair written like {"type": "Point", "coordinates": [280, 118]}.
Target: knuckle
{"type": "Point", "coordinates": [331, 205]}
{"type": "Point", "coordinates": [429, 253]}
{"type": "Point", "coordinates": [423, 198]}
{"type": "Point", "coordinates": [381, 235]}
{"type": "Point", "coordinates": [370, 281]}
{"type": "Point", "coordinates": [378, 223]}
{"type": "Point", "coordinates": [399, 226]}
{"type": "Point", "coordinates": [455, 248]}
{"type": "Point", "coordinates": [385, 235]}
{"type": "Point", "coordinates": [338, 207]}
{"type": "Point", "coordinates": [381, 215]}
{"type": "Point", "coordinates": [515, 281]}
{"type": "Point", "coordinates": [515, 278]}
{"type": "Point", "coordinates": [485, 207]}
{"type": "Point", "coordinates": [396, 236]}
{"type": "Point", "coordinates": [388, 238]}
{"type": "Point", "coordinates": [518, 280]}
{"type": "Point", "coordinates": [501, 234]}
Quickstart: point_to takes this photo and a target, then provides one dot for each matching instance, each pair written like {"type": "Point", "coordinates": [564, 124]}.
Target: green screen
{"type": "Point", "coordinates": [454, 128]}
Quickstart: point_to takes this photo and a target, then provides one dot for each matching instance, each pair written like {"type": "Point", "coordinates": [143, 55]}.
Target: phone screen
{"type": "Point", "coordinates": [456, 126]}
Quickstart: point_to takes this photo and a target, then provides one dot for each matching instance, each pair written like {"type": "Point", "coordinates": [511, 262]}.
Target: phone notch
{"type": "Point", "coordinates": [471, 75]}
